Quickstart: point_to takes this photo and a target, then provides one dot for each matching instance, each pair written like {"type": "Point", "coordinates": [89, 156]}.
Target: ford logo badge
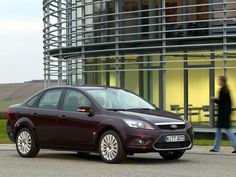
{"type": "Point", "coordinates": [174, 126]}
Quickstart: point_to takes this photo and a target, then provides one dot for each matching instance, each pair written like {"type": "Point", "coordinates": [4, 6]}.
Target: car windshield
{"type": "Point", "coordinates": [118, 99]}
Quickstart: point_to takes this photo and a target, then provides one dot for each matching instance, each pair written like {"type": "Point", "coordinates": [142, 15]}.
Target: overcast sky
{"type": "Point", "coordinates": [21, 41]}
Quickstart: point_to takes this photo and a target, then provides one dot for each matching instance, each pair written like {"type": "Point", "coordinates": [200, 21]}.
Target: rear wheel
{"type": "Point", "coordinates": [171, 155]}
{"type": "Point", "coordinates": [111, 148]}
{"type": "Point", "coordinates": [25, 143]}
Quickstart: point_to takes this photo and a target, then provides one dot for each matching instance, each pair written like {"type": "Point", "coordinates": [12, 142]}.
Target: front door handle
{"type": "Point", "coordinates": [35, 114]}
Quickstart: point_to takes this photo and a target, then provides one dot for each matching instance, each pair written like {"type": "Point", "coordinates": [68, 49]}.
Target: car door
{"type": "Point", "coordinates": [45, 117]}
{"type": "Point", "coordinates": [78, 127]}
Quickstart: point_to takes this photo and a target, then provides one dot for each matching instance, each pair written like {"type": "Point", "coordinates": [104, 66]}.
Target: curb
{"type": "Point", "coordinates": [7, 147]}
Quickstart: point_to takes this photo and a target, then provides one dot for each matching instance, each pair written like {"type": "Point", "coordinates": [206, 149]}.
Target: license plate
{"type": "Point", "coordinates": [175, 138]}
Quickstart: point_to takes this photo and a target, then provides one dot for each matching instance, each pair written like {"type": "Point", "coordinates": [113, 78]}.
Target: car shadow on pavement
{"type": "Point", "coordinates": [158, 160]}
{"type": "Point", "coordinates": [96, 158]}
{"type": "Point", "coordinates": [68, 156]}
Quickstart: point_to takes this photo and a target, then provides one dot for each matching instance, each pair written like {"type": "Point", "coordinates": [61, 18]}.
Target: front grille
{"type": "Point", "coordinates": [168, 127]}
{"type": "Point", "coordinates": [172, 145]}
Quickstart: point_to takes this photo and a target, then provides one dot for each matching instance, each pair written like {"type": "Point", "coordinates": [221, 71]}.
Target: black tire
{"type": "Point", "coordinates": [26, 147]}
{"type": "Point", "coordinates": [120, 154]}
{"type": "Point", "coordinates": [171, 155]}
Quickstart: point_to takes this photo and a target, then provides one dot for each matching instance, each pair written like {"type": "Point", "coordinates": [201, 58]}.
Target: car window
{"type": "Point", "coordinates": [31, 102]}
{"type": "Point", "coordinates": [74, 99]}
{"type": "Point", "coordinates": [119, 99]}
{"type": "Point", "coordinates": [50, 99]}
{"type": "Point", "coordinates": [104, 99]}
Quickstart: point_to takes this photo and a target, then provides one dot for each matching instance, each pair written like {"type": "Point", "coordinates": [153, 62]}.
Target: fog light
{"type": "Point", "coordinates": [138, 141]}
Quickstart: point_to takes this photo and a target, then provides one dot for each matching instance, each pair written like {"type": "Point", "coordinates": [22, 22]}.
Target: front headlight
{"type": "Point", "coordinates": [187, 124]}
{"type": "Point", "coordinates": [138, 124]}
{"type": "Point", "coordinates": [185, 121]}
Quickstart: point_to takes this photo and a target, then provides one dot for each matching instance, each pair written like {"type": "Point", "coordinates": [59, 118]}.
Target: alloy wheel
{"type": "Point", "coordinates": [24, 142]}
{"type": "Point", "coordinates": [109, 147]}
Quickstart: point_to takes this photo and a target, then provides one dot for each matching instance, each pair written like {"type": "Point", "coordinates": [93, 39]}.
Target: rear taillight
{"type": "Point", "coordinates": [8, 115]}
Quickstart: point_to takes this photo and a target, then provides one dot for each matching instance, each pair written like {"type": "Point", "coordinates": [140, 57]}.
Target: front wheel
{"type": "Point", "coordinates": [171, 155]}
{"type": "Point", "coordinates": [25, 143]}
{"type": "Point", "coordinates": [111, 148]}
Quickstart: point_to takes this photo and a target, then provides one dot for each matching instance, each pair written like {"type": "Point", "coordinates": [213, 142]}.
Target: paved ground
{"type": "Point", "coordinates": [195, 163]}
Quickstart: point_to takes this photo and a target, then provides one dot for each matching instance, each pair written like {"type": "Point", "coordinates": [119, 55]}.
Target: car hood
{"type": "Point", "coordinates": [153, 116]}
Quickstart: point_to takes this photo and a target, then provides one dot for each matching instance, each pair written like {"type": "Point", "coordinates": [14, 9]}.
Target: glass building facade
{"type": "Point", "coordinates": [170, 52]}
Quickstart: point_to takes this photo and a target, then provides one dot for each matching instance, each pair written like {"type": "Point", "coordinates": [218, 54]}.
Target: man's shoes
{"type": "Point", "coordinates": [213, 150]}
{"type": "Point", "coordinates": [234, 151]}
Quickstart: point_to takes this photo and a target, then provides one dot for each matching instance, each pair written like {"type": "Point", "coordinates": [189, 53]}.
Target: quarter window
{"type": "Point", "coordinates": [31, 102]}
{"type": "Point", "coordinates": [50, 99]}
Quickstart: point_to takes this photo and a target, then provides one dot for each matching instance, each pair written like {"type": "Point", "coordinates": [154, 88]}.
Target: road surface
{"type": "Point", "coordinates": [196, 163]}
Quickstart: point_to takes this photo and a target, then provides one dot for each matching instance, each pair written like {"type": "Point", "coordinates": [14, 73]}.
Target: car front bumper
{"type": "Point", "coordinates": [140, 141]}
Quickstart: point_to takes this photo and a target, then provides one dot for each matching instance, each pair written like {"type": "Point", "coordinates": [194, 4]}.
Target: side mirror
{"type": "Point", "coordinates": [84, 109]}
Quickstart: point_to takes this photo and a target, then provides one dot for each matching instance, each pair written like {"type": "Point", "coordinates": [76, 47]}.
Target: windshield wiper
{"type": "Point", "coordinates": [131, 109]}
{"type": "Point", "coordinates": [116, 109]}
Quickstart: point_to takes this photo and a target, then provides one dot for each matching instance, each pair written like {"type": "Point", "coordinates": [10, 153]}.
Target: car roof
{"type": "Point", "coordinates": [85, 87]}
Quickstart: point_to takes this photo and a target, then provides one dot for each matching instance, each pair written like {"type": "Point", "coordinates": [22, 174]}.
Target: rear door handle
{"type": "Point", "coordinates": [18, 115]}
{"type": "Point", "coordinates": [62, 116]}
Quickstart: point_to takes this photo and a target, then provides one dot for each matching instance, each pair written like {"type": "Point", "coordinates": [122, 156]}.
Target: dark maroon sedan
{"type": "Point", "coordinates": [111, 121]}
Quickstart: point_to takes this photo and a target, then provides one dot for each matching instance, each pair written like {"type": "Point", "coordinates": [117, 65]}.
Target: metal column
{"type": "Point", "coordinates": [69, 41]}
{"type": "Point", "coordinates": [59, 82]}
{"type": "Point", "coordinates": [45, 58]}
{"type": "Point", "coordinates": [83, 40]}
{"type": "Point", "coordinates": [212, 90]}
{"type": "Point", "coordinates": [140, 75]}
{"type": "Point", "coordinates": [185, 86]}
{"type": "Point", "coordinates": [224, 36]}
{"type": "Point", "coordinates": [185, 18]}
{"type": "Point", "coordinates": [162, 75]}
{"type": "Point", "coordinates": [117, 9]}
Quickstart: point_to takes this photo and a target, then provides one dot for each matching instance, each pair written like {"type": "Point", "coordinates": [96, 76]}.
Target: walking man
{"type": "Point", "coordinates": [224, 116]}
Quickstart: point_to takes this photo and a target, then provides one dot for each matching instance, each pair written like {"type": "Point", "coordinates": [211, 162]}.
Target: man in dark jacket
{"type": "Point", "coordinates": [224, 115]}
